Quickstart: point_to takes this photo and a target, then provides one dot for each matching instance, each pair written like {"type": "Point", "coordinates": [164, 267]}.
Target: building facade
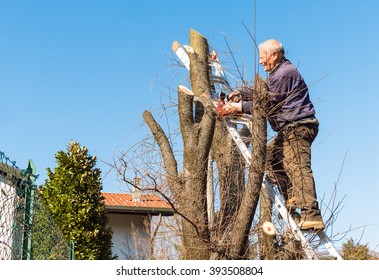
{"type": "Point", "coordinates": [129, 216]}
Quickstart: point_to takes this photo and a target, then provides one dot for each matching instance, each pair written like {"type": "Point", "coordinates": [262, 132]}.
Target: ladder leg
{"type": "Point", "coordinates": [329, 245]}
{"type": "Point", "coordinates": [291, 224]}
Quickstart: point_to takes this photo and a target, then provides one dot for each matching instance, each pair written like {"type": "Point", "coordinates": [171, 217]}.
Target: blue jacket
{"type": "Point", "coordinates": [288, 96]}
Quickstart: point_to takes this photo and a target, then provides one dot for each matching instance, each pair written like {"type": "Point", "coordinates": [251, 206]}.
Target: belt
{"type": "Point", "coordinates": [311, 120]}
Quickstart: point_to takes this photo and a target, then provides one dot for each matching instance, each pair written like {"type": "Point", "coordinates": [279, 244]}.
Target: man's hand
{"type": "Point", "coordinates": [231, 108]}
{"type": "Point", "coordinates": [243, 93]}
{"type": "Point", "coordinates": [235, 96]}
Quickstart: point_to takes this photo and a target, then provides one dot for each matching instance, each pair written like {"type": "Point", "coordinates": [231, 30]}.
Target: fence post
{"type": "Point", "coordinates": [72, 250]}
{"type": "Point", "coordinates": [29, 205]}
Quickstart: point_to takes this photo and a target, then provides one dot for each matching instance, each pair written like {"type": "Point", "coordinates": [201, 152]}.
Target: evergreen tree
{"type": "Point", "coordinates": [73, 194]}
{"type": "Point", "coordinates": [355, 251]}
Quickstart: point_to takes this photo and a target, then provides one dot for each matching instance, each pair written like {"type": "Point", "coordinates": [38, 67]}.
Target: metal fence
{"type": "Point", "coordinates": [27, 230]}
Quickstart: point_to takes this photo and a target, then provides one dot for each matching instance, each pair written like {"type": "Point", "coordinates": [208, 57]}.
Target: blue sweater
{"type": "Point", "coordinates": [288, 96]}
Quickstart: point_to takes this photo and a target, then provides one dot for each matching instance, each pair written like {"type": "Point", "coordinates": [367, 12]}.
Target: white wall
{"type": "Point", "coordinates": [131, 235]}
{"type": "Point", "coordinates": [7, 208]}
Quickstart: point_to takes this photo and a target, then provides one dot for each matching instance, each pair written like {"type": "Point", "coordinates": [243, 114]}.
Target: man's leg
{"type": "Point", "coordinates": [275, 169]}
{"type": "Point", "coordinates": [297, 162]}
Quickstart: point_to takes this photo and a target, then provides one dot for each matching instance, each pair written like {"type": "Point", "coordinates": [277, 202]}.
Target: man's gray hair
{"type": "Point", "coordinates": [272, 46]}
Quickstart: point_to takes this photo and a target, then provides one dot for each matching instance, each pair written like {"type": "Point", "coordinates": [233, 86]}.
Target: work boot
{"type": "Point", "coordinates": [311, 222]}
{"type": "Point", "coordinates": [291, 203]}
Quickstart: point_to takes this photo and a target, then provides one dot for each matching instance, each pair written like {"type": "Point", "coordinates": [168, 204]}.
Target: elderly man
{"type": "Point", "coordinates": [292, 115]}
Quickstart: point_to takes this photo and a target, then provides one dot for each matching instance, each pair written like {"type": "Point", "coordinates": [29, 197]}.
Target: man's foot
{"type": "Point", "coordinates": [311, 222]}
{"type": "Point", "coordinates": [291, 203]}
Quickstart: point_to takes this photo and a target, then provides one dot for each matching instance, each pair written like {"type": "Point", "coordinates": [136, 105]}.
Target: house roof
{"type": "Point", "coordinates": [147, 204]}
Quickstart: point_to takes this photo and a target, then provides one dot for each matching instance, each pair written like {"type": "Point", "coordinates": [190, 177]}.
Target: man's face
{"type": "Point", "coordinates": [267, 59]}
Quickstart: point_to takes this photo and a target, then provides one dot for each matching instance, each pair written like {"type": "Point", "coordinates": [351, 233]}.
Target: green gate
{"type": "Point", "coordinates": [27, 230]}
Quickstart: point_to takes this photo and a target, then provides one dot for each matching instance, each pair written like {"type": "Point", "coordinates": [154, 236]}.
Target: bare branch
{"type": "Point", "coordinates": [168, 156]}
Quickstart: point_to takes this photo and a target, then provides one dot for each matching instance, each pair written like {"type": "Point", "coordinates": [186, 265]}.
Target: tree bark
{"type": "Point", "coordinates": [231, 172]}
{"type": "Point", "coordinates": [189, 189]}
{"type": "Point", "coordinates": [197, 128]}
{"type": "Point", "coordinates": [240, 232]}
{"type": "Point", "coordinates": [267, 246]}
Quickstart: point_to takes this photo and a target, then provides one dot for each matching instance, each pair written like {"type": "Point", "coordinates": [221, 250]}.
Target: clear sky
{"type": "Point", "coordinates": [86, 70]}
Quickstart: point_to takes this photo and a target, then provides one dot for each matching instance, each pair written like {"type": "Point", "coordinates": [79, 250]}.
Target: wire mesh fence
{"type": "Point", "coordinates": [27, 230]}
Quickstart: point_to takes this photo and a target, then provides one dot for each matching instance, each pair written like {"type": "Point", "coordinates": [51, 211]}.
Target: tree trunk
{"type": "Point", "coordinates": [197, 128]}
{"type": "Point", "coordinates": [267, 246]}
{"type": "Point", "coordinates": [189, 189]}
{"type": "Point", "coordinates": [231, 172]}
{"type": "Point", "coordinates": [239, 235]}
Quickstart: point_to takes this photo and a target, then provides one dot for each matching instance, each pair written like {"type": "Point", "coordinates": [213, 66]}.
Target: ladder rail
{"type": "Point", "coordinates": [291, 224]}
{"type": "Point", "coordinates": [329, 245]}
{"type": "Point", "coordinates": [238, 141]}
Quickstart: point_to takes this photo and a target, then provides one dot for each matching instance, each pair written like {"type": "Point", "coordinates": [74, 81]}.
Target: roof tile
{"type": "Point", "coordinates": [125, 200]}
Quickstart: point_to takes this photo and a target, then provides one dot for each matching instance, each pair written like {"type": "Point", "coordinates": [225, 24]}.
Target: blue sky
{"type": "Point", "coordinates": [86, 70]}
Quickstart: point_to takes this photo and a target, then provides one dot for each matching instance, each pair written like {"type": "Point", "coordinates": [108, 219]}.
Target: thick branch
{"type": "Point", "coordinates": [200, 82]}
{"type": "Point", "coordinates": [196, 39]}
{"type": "Point", "coordinates": [185, 110]}
{"type": "Point", "coordinates": [198, 53]}
{"type": "Point", "coordinates": [165, 147]}
{"type": "Point", "coordinates": [251, 196]}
